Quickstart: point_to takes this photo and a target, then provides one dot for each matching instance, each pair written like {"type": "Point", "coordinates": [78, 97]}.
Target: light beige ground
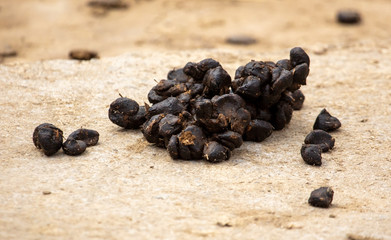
{"type": "Point", "coordinates": [124, 188]}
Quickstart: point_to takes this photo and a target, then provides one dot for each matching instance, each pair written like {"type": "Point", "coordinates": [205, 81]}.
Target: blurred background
{"type": "Point", "coordinates": [33, 30]}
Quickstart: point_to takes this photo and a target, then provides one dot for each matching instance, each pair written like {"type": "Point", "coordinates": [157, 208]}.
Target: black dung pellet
{"type": "Point", "coordinates": [299, 56]}
{"type": "Point", "coordinates": [312, 154]}
{"type": "Point", "coordinates": [124, 112]}
{"type": "Point", "coordinates": [191, 143]}
{"type": "Point", "coordinates": [348, 17]}
{"type": "Point", "coordinates": [321, 197]}
{"type": "Point", "coordinates": [229, 139]}
{"type": "Point", "coordinates": [326, 122]}
{"type": "Point", "coordinates": [215, 152]}
{"type": "Point", "coordinates": [258, 130]}
{"type": "Point", "coordinates": [74, 147]}
{"type": "Point", "coordinates": [150, 130]}
{"type": "Point", "coordinates": [89, 136]}
{"type": "Point", "coordinates": [172, 147]}
{"type": "Point", "coordinates": [48, 137]}
{"type": "Point", "coordinates": [108, 4]}
{"type": "Point", "coordinates": [321, 138]}
{"type": "Point", "coordinates": [298, 99]}
{"type": "Point", "coordinates": [81, 54]}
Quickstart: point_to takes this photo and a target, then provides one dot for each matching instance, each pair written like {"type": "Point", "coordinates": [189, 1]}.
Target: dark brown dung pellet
{"type": "Point", "coordinates": [126, 113]}
{"type": "Point", "coordinates": [172, 147]}
{"type": "Point", "coordinates": [215, 152]}
{"type": "Point", "coordinates": [81, 54]}
{"type": "Point", "coordinates": [321, 197]}
{"type": "Point", "coordinates": [191, 143]}
{"type": "Point", "coordinates": [321, 138]}
{"type": "Point", "coordinates": [89, 136]}
{"type": "Point", "coordinates": [240, 40]}
{"type": "Point", "coordinates": [74, 147]}
{"type": "Point", "coordinates": [326, 122]}
{"type": "Point", "coordinates": [229, 139]}
{"type": "Point", "coordinates": [311, 154]}
{"type": "Point", "coordinates": [48, 137]}
{"type": "Point", "coordinates": [348, 17]}
{"type": "Point", "coordinates": [108, 4]}
{"type": "Point", "coordinates": [150, 130]}
{"type": "Point", "coordinates": [7, 51]}
{"type": "Point", "coordinates": [298, 99]}
{"type": "Point", "coordinates": [299, 56]}
{"type": "Point", "coordinates": [258, 130]}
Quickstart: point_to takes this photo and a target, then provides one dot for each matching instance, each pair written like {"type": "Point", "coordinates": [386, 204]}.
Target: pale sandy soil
{"type": "Point", "coordinates": [124, 188]}
{"type": "Point", "coordinates": [48, 29]}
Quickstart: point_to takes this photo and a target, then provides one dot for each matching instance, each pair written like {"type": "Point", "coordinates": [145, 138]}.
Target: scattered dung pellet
{"type": "Point", "coordinates": [240, 40]}
{"type": "Point", "coordinates": [348, 17]}
{"type": "Point", "coordinates": [108, 4]}
{"type": "Point", "coordinates": [48, 137]}
{"type": "Point", "coordinates": [89, 136]}
{"type": "Point", "coordinates": [321, 138]}
{"type": "Point", "coordinates": [7, 51]}
{"type": "Point", "coordinates": [215, 152]}
{"type": "Point", "coordinates": [46, 192]}
{"type": "Point", "coordinates": [326, 122]}
{"type": "Point", "coordinates": [321, 197]}
{"type": "Point", "coordinates": [298, 99]}
{"type": "Point", "coordinates": [311, 154]}
{"type": "Point", "coordinates": [223, 224]}
{"type": "Point", "coordinates": [74, 147]}
{"type": "Point", "coordinates": [81, 54]}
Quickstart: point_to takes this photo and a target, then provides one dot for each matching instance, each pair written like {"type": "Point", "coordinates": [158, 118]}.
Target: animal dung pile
{"type": "Point", "coordinates": [199, 112]}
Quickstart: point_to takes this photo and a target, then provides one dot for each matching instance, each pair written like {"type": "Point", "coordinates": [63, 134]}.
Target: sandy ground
{"type": "Point", "coordinates": [48, 29]}
{"type": "Point", "coordinates": [124, 188]}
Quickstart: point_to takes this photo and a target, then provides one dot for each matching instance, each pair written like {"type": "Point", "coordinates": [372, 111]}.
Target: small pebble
{"type": "Point", "coordinates": [46, 192]}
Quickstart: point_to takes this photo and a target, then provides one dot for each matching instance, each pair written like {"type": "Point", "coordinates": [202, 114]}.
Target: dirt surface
{"type": "Point", "coordinates": [125, 188]}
